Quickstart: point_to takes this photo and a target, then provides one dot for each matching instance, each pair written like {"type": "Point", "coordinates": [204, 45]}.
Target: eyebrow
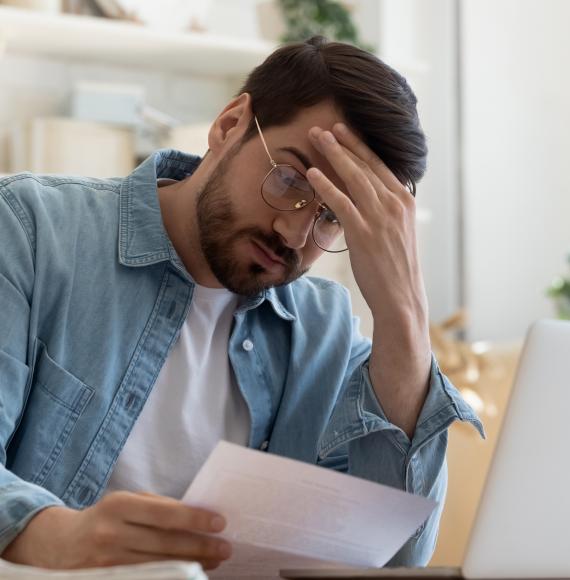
{"type": "Point", "coordinates": [299, 154]}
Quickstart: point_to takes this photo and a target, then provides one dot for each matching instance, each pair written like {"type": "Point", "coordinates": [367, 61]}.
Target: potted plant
{"type": "Point", "coordinates": [297, 20]}
{"type": "Point", "coordinates": [559, 291]}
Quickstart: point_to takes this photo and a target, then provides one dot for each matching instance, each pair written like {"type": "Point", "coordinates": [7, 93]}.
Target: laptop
{"type": "Point", "coordinates": [522, 526]}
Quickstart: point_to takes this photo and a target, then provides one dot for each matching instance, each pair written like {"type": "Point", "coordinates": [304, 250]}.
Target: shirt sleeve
{"type": "Point", "coordinates": [19, 500]}
{"type": "Point", "coordinates": [424, 461]}
{"type": "Point", "coordinates": [361, 441]}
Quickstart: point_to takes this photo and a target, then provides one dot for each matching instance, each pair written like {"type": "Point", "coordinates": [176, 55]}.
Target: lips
{"type": "Point", "coordinates": [267, 258]}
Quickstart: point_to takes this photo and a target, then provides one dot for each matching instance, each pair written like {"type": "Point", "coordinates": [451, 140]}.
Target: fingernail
{"type": "Point", "coordinates": [314, 172]}
{"type": "Point", "coordinates": [329, 137]}
{"type": "Point", "coordinates": [314, 133]}
{"type": "Point", "coordinates": [224, 551]}
{"type": "Point", "coordinates": [340, 127]}
{"type": "Point", "coordinates": [217, 524]}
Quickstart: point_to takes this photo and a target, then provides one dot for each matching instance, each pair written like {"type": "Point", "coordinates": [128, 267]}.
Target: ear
{"type": "Point", "coordinates": [231, 124]}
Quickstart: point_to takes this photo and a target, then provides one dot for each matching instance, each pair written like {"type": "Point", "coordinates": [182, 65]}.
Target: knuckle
{"type": "Point", "coordinates": [356, 174]}
{"type": "Point", "coordinates": [346, 205]}
{"type": "Point", "coordinates": [110, 503]}
{"type": "Point", "coordinates": [409, 201]}
{"type": "Point", "coordinates": [396, 207]}
{"type": "Point", "coordinates": [370, 158]}
{"type": "Point", "coordinates": [378, 165]}
{"type": "Point", "coordinates": [361, 163]}
{"type": "Point", "coordinates": [104, 534]}
{"type": "Point", "coordinates": [106, 503]}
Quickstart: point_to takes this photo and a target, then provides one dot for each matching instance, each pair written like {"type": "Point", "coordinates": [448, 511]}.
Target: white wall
{"type": "Point", "coordinates": [516, 128]}
{"type": "Point", "coordinates": [419, 39]}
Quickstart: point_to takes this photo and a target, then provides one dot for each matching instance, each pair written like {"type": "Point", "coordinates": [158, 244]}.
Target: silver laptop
{"type": "Point", "coordinates": [522, 527]}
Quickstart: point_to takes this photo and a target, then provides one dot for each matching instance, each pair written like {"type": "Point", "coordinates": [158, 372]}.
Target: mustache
{"type": "Point", "coordinates": [274, 243]}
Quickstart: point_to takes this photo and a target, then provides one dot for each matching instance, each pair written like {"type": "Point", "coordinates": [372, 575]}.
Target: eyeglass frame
{"type": "Point", "coordinates": [321, 206]}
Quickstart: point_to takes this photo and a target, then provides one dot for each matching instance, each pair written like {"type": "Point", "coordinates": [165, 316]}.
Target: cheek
{"type": "Point", "coordinates": [247, 199]}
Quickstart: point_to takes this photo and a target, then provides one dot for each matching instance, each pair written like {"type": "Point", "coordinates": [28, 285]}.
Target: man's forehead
{"type": "Point", "coordinates": [293, 137]}
{"type": "Point", "coordinates": [323, 115]}
{"type": "Point", "coordinates": [310, 157]}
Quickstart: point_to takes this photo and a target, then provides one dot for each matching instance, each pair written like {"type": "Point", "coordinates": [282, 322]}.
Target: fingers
{"type": "Point", "coordinates": [131, 557]}
{"type": "Point", "coordinates": [360, 189]}
{"type": "Point", "coordinates": [131, 527]}
{"type": "Point", "coordinates": [354, 144]}
{"type": "Point", "coordinates": [175, 544]}
{"type": "Point", "coordinates": [162, 512]}
{"type": "Point", "coordinates": [335, 199]}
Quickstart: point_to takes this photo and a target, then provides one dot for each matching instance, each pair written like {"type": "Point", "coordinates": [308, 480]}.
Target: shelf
{"type": "Point", "coordinates": [102, 40]}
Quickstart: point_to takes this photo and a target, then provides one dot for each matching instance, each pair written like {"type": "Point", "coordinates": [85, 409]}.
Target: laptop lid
{"type": "Point", "coordinates": [521, 527]}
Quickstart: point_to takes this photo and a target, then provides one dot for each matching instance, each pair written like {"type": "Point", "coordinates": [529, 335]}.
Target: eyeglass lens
{"type": "Point", "coordinates": [286, 189]}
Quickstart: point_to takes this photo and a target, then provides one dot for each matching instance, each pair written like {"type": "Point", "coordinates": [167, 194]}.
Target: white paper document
{"type": "Point", "coordinates": [283, 513]}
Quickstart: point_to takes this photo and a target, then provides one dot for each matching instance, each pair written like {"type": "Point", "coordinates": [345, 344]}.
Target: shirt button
{"type": "Point", "coordinates": [264, 445]}
{"type": "Point", "coordinates": [247, 345]}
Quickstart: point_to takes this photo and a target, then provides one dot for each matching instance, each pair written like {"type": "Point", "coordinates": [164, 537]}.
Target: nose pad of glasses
{"type": "Point", "coordinates": [301, 204]}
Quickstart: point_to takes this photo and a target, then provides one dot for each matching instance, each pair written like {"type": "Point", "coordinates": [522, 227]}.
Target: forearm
{"type": "Point", "coordinates": [20, 502]}
{"type": "Point", "coordinates": [400, 364]}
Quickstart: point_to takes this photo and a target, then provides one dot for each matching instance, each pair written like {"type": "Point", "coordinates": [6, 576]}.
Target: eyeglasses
{"type": "Point", "coordinates": [286, 189]}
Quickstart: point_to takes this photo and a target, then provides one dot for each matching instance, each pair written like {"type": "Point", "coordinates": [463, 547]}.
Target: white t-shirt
{"type": "Point", "coordinates": [194, 404]}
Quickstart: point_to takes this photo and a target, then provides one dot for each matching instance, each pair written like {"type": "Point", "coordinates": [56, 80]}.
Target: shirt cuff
{"type": "Point", "coordinates": [443, 405]}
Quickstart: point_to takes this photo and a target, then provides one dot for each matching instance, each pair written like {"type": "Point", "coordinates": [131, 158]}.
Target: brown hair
{"type": "Point", "coordinates": [376, 101]}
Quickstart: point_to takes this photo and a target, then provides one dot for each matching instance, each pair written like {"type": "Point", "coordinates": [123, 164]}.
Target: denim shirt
{"type": "Point", "coordinates": [93, 296]}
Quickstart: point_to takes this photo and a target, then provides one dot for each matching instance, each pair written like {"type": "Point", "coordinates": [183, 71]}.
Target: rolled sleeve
{"type": "Point", "coordinates": [380, 451]}
{"type": "Point", "coordinates": [424, 466]}
{"type": "Point", "coordinates": [21, 501]}
{"type": "Point", "coordinates": [443, 405]}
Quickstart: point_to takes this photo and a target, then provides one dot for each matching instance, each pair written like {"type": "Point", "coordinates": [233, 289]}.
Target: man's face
{"type": "Point", "coordinates": [248, 245]}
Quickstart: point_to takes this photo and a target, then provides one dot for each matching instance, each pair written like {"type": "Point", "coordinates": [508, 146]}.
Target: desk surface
{"type": "Point", "coordinates": [385, 573]}
{"type": "Point", "coordinates": [433, 573]}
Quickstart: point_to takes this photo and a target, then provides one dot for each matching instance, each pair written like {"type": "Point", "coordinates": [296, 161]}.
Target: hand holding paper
{"type": "Point", "coordinates": [281, 512]}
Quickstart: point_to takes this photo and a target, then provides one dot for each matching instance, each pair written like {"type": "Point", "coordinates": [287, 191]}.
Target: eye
{"type": "Point", "coordinates": [293, 163]}
{"type": "Point", "coordinates": [295, 180]}
{"type": "Point", "coordinates": [291, 181]}
{"type": "Point", "coordinates": [328, 216]}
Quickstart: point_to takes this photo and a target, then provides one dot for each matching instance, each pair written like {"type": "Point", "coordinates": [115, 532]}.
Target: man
{"type": "Point", "coordinates": [146, 318]}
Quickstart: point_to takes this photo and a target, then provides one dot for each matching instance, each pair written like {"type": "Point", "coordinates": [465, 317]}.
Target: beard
{"type": "Point", "coordinates": [220, 238]}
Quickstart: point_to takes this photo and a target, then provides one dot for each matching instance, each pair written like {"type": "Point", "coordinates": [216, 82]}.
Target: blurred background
{"type": "Point", "coordinates": [93, 86]}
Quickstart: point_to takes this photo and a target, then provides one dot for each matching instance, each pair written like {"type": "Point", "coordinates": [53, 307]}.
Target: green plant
{"type": "Point", "coordinates": [559, 291]}
{"type": "Point", "coordinates": [306, 18]}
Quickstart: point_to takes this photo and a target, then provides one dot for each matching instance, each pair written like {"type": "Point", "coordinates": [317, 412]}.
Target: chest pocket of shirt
{"type": "Point", "coordinates": [55, 403]}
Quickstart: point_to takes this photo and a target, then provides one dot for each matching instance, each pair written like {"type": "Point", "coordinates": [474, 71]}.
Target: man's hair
{"type": "Point", "coordinates": [375, 100]}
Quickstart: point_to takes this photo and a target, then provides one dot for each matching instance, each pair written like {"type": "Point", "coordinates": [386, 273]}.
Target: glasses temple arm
{"type": "Point", "coordinates": [263, 141]}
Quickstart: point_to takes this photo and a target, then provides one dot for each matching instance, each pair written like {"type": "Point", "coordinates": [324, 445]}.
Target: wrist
{"type": "Point", "coordinates": [406, 328]}
{"type": "Point", "coordinates": [37, 544]}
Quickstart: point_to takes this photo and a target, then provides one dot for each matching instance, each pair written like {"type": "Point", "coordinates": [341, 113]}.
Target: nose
{"type": "Point", "coordinates": [295, 227]}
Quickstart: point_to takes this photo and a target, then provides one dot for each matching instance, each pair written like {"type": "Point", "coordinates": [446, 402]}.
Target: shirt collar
{"type": "Point", "coordinates": [142, 237]}
{"type": "Point", "coordinates": [272, 296]}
